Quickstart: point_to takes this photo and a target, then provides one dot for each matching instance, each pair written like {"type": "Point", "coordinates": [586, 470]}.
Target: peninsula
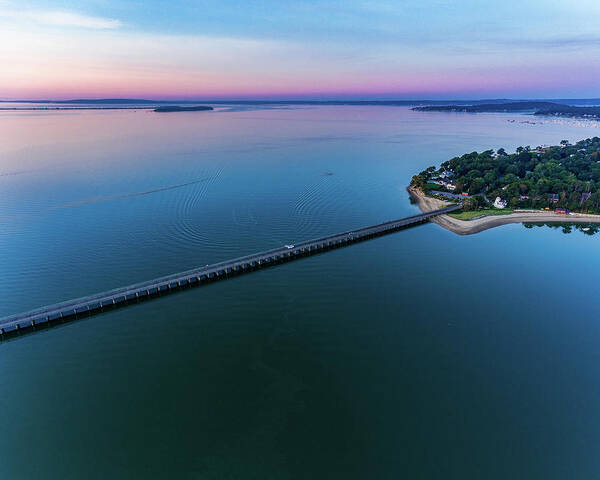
{"type": "Point", "coordinates": [533, 107]}
{"type": "Point", "coordinates": [548, 184]}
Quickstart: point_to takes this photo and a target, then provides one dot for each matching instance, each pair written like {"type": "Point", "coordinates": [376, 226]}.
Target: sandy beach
{"type": "Point", "coordinates": [469, 227]}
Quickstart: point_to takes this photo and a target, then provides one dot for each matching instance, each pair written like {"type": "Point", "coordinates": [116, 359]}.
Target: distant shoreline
{"type": "Point", "coordinates": [571, 108]}
{"type": "Point", "coordinates": [470, 227]}
{"type": "Point", "coordinates": [31, 109]}
{"type": "Point", "coordinates": [552, 109]}
{"type": "Point", "coordinates": [108, 107]}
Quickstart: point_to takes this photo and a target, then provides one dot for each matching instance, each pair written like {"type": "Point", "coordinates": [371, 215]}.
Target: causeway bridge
{"type": "Point", "coordinates": [92, 304]}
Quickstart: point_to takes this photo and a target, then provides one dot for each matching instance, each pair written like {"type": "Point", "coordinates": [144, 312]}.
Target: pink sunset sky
{"type": "Point", "coordinates": [434, 49]}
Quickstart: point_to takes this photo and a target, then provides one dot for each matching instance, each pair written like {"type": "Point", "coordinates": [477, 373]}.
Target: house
{"type": "Point", "coordinates": [447, 184]}
{"type": "Point", "coordinates": [499, 203]}
{"type": "Point", "coordinates": [585, 197]}
{"type": "Point", "coordinates": [464, 194]}
{"type": "Point", "coordinates": [553, 197]}
{"type": "Point", "coordinates": [562, 211]}
{"type": "Point", "coordinates": [523, 197]}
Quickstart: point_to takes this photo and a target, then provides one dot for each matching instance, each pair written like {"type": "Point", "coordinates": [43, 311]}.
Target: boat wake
{"type": "Point", "coordinates": [129, 195]}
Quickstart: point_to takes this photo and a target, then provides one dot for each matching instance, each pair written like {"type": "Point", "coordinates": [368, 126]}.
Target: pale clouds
{"type": "Point", "coordinates": [57, 18]}
{"type": "Point", "coordinates": [49, 53]}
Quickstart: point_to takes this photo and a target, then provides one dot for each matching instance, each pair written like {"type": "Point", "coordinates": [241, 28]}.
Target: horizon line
{"type": "Point", "coordinates": [291, 100]}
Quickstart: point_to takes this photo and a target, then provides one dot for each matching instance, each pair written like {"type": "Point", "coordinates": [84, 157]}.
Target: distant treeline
{"type": "Point", "coordinates": [538, 108]}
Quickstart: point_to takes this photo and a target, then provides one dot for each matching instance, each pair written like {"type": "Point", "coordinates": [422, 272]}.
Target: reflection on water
{"type": "Point", "coordinates": [585, 228]}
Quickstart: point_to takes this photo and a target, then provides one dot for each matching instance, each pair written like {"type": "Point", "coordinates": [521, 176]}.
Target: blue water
{"type": "Point", "coordinates": [422, 354]}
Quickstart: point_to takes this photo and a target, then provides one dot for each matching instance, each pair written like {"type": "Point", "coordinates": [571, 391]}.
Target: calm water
{"type": "Point", "coordinates": [418, 355]}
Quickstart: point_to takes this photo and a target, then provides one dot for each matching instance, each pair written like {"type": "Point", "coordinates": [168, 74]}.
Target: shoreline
{"type": "Point", "coordinates": [476, 225]}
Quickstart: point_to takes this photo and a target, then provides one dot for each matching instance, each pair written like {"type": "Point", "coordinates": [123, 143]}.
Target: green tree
{"type": "Point", "coordinates": [470, 203]}
{"type": "Point", "coordinates": [477, 185]}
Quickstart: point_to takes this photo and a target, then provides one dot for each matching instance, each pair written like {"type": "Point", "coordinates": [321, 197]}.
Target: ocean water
{"type": "Point", "coordinates": [421, 354]}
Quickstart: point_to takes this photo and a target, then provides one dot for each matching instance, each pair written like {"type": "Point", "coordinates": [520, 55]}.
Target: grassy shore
{"type": "Point", "coordinates": [471, 214]}
{"type": "Point", "coordinates": [480, 220]}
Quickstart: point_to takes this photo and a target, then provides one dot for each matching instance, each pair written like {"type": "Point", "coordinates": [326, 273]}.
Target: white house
{"type": "Point", "coordinates": [499, 203]}
{"type": "Point", "coordinates": [449, 185]}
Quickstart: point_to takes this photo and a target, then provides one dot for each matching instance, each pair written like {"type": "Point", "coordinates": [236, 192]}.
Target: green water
{"type": "Point", "coordinates": [421, 354]}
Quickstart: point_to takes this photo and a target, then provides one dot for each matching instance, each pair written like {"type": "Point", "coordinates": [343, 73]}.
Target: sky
{"type": "Point", "coordinates": [303, 49]}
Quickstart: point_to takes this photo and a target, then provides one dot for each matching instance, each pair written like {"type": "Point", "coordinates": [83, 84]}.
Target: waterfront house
{"type": "Point", "coordinates": [499, 203]}
{"type": "Point", "coordinates": [553, 197]}
{"type": "Point", "coordinates": [523, 197]}
{"type": "Point", "coordinates": [585, 197]}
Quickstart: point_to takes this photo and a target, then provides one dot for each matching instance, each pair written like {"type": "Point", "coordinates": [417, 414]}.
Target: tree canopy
{"type": "Point", "coordinates": [526, 178]}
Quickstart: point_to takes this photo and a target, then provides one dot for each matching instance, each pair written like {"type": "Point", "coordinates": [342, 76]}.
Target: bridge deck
{"type": "Point", "coordinates": [145, 290]}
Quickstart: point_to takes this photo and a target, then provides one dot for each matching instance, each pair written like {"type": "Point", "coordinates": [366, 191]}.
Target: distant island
{"type": "Point", "coordinates": [175, 108]}
{"type": "Point", "coordinates": [535, 107]}
{"type": "Point", "coordinates": [558, 183]}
